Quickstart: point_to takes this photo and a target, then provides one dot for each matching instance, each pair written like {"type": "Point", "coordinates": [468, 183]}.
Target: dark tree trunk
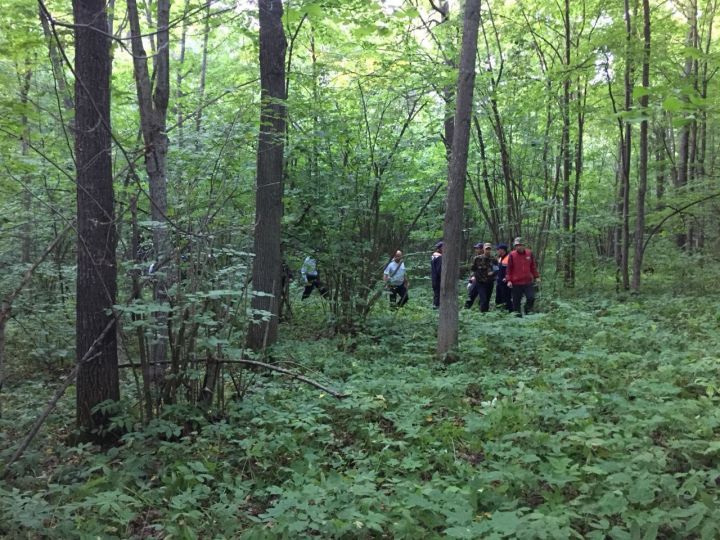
{"type": "Point", "coordinates": [448, 325]}
{"type": "Point", "coordinates": [643, 165]}
{"type": "Point", "coordinates": [566, 157]}
{"type": "Point", "coordinates": [266, 277]}
{"type": "Point", "coordinates": [97, 378]}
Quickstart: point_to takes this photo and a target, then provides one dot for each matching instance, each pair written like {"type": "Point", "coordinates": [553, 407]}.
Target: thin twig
{"type": "Point", "coordinates": [334, 393]}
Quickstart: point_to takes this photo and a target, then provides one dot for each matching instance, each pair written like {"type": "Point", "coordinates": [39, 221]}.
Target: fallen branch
{"type": "Point", "coordinates": [255, 363]}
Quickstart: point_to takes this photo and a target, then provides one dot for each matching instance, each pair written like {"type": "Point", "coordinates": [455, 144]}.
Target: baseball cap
{"type": "Point", "coordinates": [518, 241]}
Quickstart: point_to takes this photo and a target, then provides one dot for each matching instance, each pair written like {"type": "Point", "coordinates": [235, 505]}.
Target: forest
{"type": "Point", "coordinates": [240, 240]}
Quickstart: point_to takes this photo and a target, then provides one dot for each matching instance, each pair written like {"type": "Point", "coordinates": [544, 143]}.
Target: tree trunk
{"type": "Point", "coordinates": [97, 378]}
{"type": "Point", "coordinates": [566, 157]}
{"type": "Point", "coordinates": [643, 165]}
{"type": "Point", "coordinates": [26, 242]}
{"type": "Point", "coordinates": [266, 277]}
{"type": "Point", "coordinates": [626, 153]}
{"type": "Point", "coordinates": [448, 325]}
{"type": "Point", "coordinates": [203, 75]}
{"type": "Point", "coordinates": [153, 105]}
{"type": "Point", "coordinates": [179, 76]}
{"type": "Point", "coordinates": [684, 143]}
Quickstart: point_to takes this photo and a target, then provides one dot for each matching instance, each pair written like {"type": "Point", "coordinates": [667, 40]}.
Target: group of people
{"type": "Point", "coordinates": [513, 274]}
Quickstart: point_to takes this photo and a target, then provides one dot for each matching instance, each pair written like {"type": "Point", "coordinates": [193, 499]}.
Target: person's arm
{"type": "Point", "coordinates": [509, 275]}
{"type": "Point", "coordinates": [303, 270]}
{"type": "Point", "coordinates": [533, 268]}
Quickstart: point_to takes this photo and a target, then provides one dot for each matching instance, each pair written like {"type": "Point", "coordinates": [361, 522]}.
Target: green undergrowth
{"type": "Point", "coordinates": [592, 419]}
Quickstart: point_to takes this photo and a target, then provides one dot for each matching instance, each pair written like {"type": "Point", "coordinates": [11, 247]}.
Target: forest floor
{"type": "Point", "coordinates": [595, 418]}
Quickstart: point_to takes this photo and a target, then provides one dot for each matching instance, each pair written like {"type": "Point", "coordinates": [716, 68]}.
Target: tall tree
{"type": "Point", "coordinates": [266, 276]}
{"type": "Point", "coordinates": [625, 150]}
{"type": "Point", "coordinates": [643, 165]}
{"type": "Point", "coordinates": [452, 233]}
{"type": "Point", "coordinates": [153, 94]}
{"type": "Point", "coordinates": [684, 144]}
{"type": "Point", "coordinates": [565, 151]}
{"type": "Point", "coordinates": [97, 378]}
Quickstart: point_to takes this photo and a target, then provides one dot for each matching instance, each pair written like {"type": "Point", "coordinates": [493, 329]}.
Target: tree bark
{"type": "Point", "coordinates": [203, 75]}
{"type": "Point", "coordinates": [97, 379]}
{"type": "Point", "coordinates": [269, 189]}
{"type": "Point", "coordinates": [448, 325]}
{"type": "Point", "coordinates": [643, 165]}
{"type": "Point", "coordinates": [626, 153]}
{"type": "Point", "coordinates": [565, 151]}
{"type": "Point", "coordinates": [683, 158]}
{"type": "Point", "coordinates": [153, 105]}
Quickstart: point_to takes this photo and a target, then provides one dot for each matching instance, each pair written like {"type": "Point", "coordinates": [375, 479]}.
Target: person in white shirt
{"type": "Point", "coordinates": [396, 280]}
{"type": "Point", "coordinates": [311, 278]}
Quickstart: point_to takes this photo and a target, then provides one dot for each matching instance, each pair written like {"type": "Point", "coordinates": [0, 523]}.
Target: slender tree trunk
{"type": "Point", "coordinates": [643, 165]}
{"type": "Point", "coordinates": [203, 74]}
{"type": "Point", "coordinates": [626, 154]}
{"type": "Point", "coordinates": [153, 105]}
{"type": "Point", "coordinates": [26, 241]}
{"type": "Point", "coordinates": [179, 77]}
{"type": "Point", "coordinates": [268, 196]}
{"type": "Point", "coordinates": [579, 149]}
{"type": "Point", "coordinates": [97, 379]}
{"type": "Point", "coordinates": [565, 151]}
{"type": "Point", "coordinates": [448, 325]}
{"type": "Point", "coordinates": [683, 159]}
{"type": "Point", "coordinates": [660, 166]}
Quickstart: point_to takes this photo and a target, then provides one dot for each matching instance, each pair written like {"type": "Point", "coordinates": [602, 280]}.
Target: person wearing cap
{"type": "Point", "coordinates": [521, 275]}
{"type": "Point", "coordinates": [435, 271]}
{"type": "Point", "coordinates": [483, 277]}
{"type": "Point", "coordinates": [311, 277]}
{"type": "Point", "coordinates": [502, 292]}
{"type": "Point", "coordinates": [396, 280]}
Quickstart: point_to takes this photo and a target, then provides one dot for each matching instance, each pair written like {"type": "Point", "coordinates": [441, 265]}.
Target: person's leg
{"type": "Point", "coordinates": [393, 295]}
{"type": "Point", "coordinates": [485, 295]}
{"type": "Point", "coordinates": [472, 294]}
{"type": "Point", "coordinates": [321, 288]}
{"type": "Point", "coordinates": [403, 293]}
{"type": "Point", "coordinates": [517, 293]}
{"type": "Point", "coordinates": [499, 298]}
{"type": "Point", "coordinates": [308, 289]}
{"type": "Point", "coordinates": [530, 296]}
{"type": "Point", "coordinates": [484, 299]}
{"type": "Point", "coordinates": [436, 296]}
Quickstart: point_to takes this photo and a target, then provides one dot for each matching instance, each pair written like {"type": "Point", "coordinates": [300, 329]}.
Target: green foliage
{"type": "Point", "coordinates": [592, 419]}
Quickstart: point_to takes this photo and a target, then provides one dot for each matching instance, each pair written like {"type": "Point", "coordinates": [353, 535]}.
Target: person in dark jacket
{"type": "Point", "coordinates": [483, 278]}
{"type": "Point", "coordinates": [521, 276]}
{"type": "Point", "coordinates": [503, 297]}
{"type": "Point", "coordinates": [435, 271]}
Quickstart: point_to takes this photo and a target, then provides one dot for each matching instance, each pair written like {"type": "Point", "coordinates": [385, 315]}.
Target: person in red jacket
{"type": "Point", "coordinates": [522, 274]}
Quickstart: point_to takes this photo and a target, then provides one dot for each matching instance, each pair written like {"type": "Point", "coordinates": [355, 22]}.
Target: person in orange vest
{"type": "Point", "coordinates": [503, 296]}
{"type": "Point", "coordinates": [522, 274]}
